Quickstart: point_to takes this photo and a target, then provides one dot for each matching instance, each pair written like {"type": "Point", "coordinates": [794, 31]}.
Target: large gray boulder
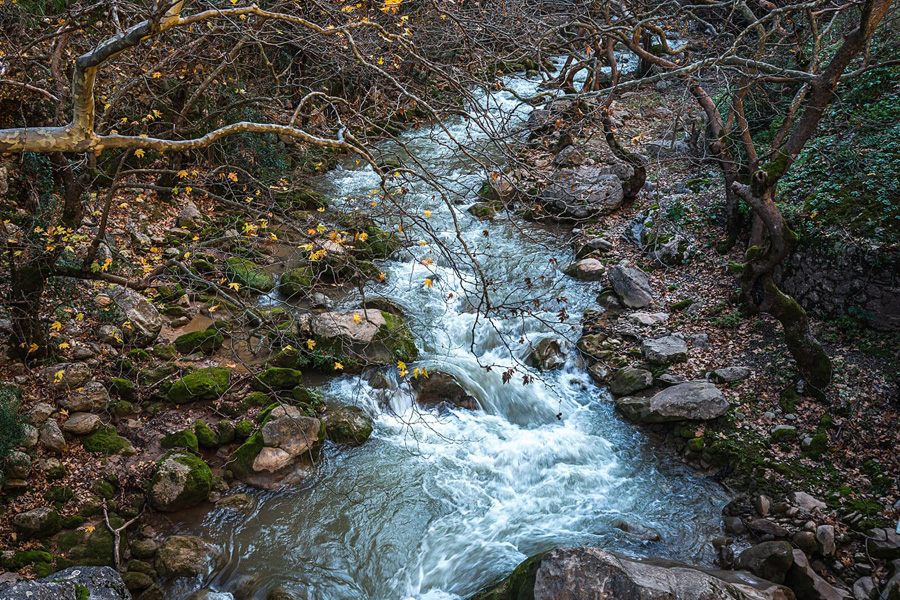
{"type": "Point", "coordinates": [582, 193]}
{"type": "Point", "coordinates": [38, 522]}
{"type": "Point", "coordinates": [665, 350]}
{"type": "Point", "coordinates": [141, 322]}
{"type": "Point", "coordinates": [92, 397]}
{"type": "Point", "coordinates": [181, 480]}
{"type": "Point", "coordinates": [586, 269]}
{"type": "Point", "coordinates": [631, 285]}
{"type": "Point", "coordinates": [365, 336]}
{"type": "Point", "coordinates": [630, 380]}
{"type": "Point", "coordinates": [82, 423]}
{"type": "Point", "coordinates": [443, 389]}
{"type": "Point", "coordinates": [281, 452]}
{"type": "Point", "coordinates": [690, 401]}
{"type": "Point", "coordinates": [769, 560]}
{"type": "Point", "coordinates": [591, 573]}
{"type": "Point", "coordinates": [74, 583]}
{"type": "Point", "coordinates": [809, 585]}
{"type": "Point", "coordinates": [186, 556]}
{"type": "Point", "coordinates": [65, 376]}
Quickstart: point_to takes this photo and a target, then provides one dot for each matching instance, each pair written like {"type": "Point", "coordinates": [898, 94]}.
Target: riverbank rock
{"type": "Point", "coordinates": [586, 269]}
{"type": "Point", "coordinates": [630, 380]}
{"type": "Point", "coordinates": [729, 374]}
{"type": "Point", "coordinates": [348, 425]}
{"type": "Point", "coordinates": [443, 389]}
{"type": "Point", "coordinates": [141, 322]}
{"type": "Point", "coordinates": [884, 543]}
{"type": "Point", "coordinates": [590, 573]}
{"type": "Point", "coordinates": [582, 193]}
{"type": "Point", "coordinates": [64, 376]}
{"type": "Point", "coordinates": [631, 285]}
{"type": "Point", "coordinates": [37, 523]}
{"type": "Point", "coordinates": [547, 354]}
{"type": "Point", "coordinates": [690, 401]}
{"type": "Point", "coordinates": [364, 336]}
{"type": "Point", "coordinates": [666, 350]}
{"type": "Point", "coordinates": [249, 275]}
{"type": "Point", "coordinates": [203, 384]}
{"type": "Point", "coordinates": [92, 397]}
{"type": "Point", "coordinates": [206, 341]}
{"type": "Point", "coordinates": [186, 556]}
{"type": "Point", "coordinates": [769, 560]}
{"type": "Point", "coordinates": [181, 480]}
{"type": "Point", "coordinates": [74, 583]}
{"type": "Point", "coordinates": [280, 451]}
{"type": "Point", "coordinates": [296, 282]}
{"type": "Point", "coordinates": [52, 438]}
{"type": "Point", "coordinates": [82, 424]}
{"type": "Point", "coordinates": [809, 585]}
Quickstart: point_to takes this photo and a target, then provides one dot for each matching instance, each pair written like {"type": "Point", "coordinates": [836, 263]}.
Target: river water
{"type": "Point", "coordinates": [438, 504]}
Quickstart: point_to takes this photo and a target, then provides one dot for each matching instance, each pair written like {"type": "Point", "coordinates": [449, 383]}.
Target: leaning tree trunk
{"type": "Point", "coordinates": [761, 293]}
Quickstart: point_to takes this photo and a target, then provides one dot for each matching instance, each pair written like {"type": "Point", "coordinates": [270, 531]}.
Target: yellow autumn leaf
{"type": "Point", "coordinates": [139, 153]}
{"type": "Point", "coordinates": [234, 285]}
{"type": "Point", "coordinates": [338, 366]}
{"type": "Point", "coordinates": [357, 318]}
{"type": "Point", "coordinates": [310, 344]}
{"type": "Point", "coordinates": [56, 326]}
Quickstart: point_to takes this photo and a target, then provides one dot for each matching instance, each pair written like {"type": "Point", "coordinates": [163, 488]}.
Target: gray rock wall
{"type": "Point", "coordinates": [832, 280]}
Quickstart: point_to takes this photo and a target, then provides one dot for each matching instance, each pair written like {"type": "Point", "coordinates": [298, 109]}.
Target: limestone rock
{"type": "Point", "coordinates": [547, 354]}
{"type": "Point", "coordinates": [52, 437]}
{"type": "Point", "coordinates": [443, 389]}
{"type": "Point", "coordinates": [74, 583]}
{"type": "Point", "coordinates": [582, 193]}
{"type": "Point", "coordinates": [186, 556]}
{"type": "Point", "coordinates": [190, 217]}
{"type": "Point", "coordinates": [884, 543]}
{"type": "Point", "coordinates": [631, 285]}
{"type": "Point", "coordinates": [65, 376]}
{"type": "Point", "coordinates": [729, 374]}
{"type": "Point", "coordinates": [590, 573]}
{"type": "Point", "coordinates": [665, 350]}
{"type": "Point", "coordinates": [809, 585]}
{"type": "Point", "coordinates": [805, 502]}
{"type": "Point", "coordinates": [92, 397]}
{"type": "Point", "coordinates": [181, 480]}
{"type": "Point", "coordinates": [629, 380]}
{"type": "Point", "coordinates": [38, 523]}
{"type": "Point", "coordinates": [586, 269]}
{"type": "Point", "coordinates": [348, 425]}
{"type": "Point", "coordinates": [364, 335]}
{"type": "Point", "coordinates": [143, 319]}
{"type": "Point", "coordinates": [82, 423]}
{"type": "Point", "coordinates": [691, 401]}
{"type": "Point", "coordinates": [769, 560]}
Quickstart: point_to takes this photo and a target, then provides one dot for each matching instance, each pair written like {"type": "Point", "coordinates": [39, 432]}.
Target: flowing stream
{"type": "Point", "coordinates": [440, 503]}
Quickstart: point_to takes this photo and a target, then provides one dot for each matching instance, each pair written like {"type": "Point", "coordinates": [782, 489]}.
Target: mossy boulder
{"type": "Point", "coordinates": [203, 384]}
{"type": "Point", "coordinates": [364, 336]}
{"type": "Point", "coordinates": [348, 425]}
{"type": "Point", "coordinates": [106, 440]}
{"type": "Point", "coordinates": [254, 399]}
{"type": "Point", "coordinates": [137, 582]}
{"type": "Point", "coordinates": [225, 430]}
{"type": "Point", "coordinates": [181, 480]}
{"type": "Point", "coordinates": [164, 351]}
{"type": "Point", "coordinates": [206, 341]}
{"type": "Point", "coordinates": [206, 437]}
{"type": "Point", "coordinates": [243, 429]}
{"type": "Point", "coordinates": [180, 439]}
{"type": "Point", "coordinates": [277, 378]}
{"type": "Point", "coordinates": [483, 210]}
{"type": "Point", "coordinates": [280, 451]}
{"type": "Point", "coordinates": [249, 275]}
{"type": "Point", "coordinates": [37, 523]}
{"type": "Point", "coordinates": [294, 282]}
{"type": "Point", "coordinates": [123, 388]}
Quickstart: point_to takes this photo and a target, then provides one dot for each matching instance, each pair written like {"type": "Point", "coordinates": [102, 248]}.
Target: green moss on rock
{"type": "Point", "coordinates": [249, 274]}
{"type": "Point", "coordinates": [295, 282]}
{"type": "Point", "coordinates": [181, 439]}
{"type": "Point", "coordinates": [277, 378]}
{"type": "Point", "coordinates": [180, 481]}
{"type": "Point", "coordinates": [206, 437]}
{"type": "Point", "coordinates": [106, 440]}
{"type": "Point", "coordinates": [206, 341]}
{"type": "Point", "coordinates": [397, 338]}
{"type": "Point", "coordinates": [203, 384]}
